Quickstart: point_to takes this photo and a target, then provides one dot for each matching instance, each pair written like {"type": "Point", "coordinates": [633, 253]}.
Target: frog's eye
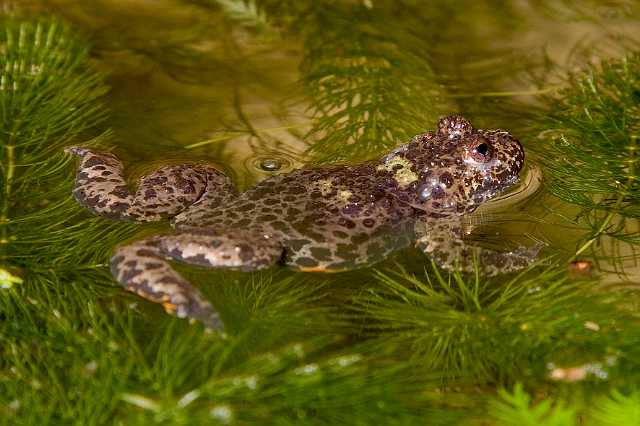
{"type": "Point", "coordinates": [480, 150]}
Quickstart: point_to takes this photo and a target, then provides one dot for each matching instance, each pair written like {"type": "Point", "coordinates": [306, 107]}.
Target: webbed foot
{"type": "Point", "coordinates": [142, 268]}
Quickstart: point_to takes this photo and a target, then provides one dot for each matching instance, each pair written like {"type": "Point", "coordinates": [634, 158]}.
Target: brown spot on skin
{"type": "Point", "coordinates": [447, 179]}
{"type": "Point", "coordinates": [92, 161]}
{"type": "Point", "coordinates": [130, 274]}
{"type": "Point", "coordinates": [320, 253]}
{"type": "Point", "coordinates": [340, 234]}
{"type": "Point", "coordinates": [296, 245]}
{"type": "Point", "coordinates": [368, 222]}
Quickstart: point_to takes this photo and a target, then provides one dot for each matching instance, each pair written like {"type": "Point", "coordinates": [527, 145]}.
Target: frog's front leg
{"type": "Point", "coordinates": [142, 267]}
{"type": "Point", "coordinates": [441, 239]}
{"type": "Point", "coordinates": [101, 188]}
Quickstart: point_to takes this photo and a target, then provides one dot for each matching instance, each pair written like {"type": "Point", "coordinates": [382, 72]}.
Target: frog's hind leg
{"type": "Point", "coordinates": [101, 188]}
{"type": "Point", "coordinates": [142, 267]}
{"type": "Point", "coordinates": [441, 239]}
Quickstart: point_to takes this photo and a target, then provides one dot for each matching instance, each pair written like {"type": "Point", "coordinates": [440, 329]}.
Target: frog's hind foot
{"type": "Point", "coordinates": [101, 188]}
{"type": "Point", "coordinates": [142, 268]}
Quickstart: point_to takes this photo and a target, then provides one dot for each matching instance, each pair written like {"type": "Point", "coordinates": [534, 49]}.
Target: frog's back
{"type": "Point", "coordinates": [326, 218]}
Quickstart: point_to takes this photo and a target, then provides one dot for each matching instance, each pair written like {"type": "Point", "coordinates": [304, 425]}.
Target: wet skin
{"type": "Point", "coordinates": [323, 219]}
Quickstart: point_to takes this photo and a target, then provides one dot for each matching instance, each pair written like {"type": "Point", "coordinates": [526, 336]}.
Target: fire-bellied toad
{"type": "Point", "coordinates": [318, 219]}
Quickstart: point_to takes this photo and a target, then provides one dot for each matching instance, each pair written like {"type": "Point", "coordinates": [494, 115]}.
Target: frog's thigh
{"type": "Point", "coordinates": [170, 190]}
{"type": "Point", "coordinates": [441, 239]}
{"type": "Point", "coordinates": [237, 250]}
{"type": "Point", "coordinates": [141, 268]}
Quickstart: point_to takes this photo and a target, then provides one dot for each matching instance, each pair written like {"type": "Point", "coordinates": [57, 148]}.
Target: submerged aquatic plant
{"type": "Point", "coordinates": [520, 407]}
{"type": "Point", "coordinates": [48, 98]}
{"type": "Point", "coordinates": [370, 84]}
{"type": "Point", "coordinates": [591, 144]}
{"type": "Point", "coordinates": [488, 330]}
{"type": "Point", "coordinates": [72, 353]}
{"type": "Point", "coordinates": [516, 408]}
{"type": "Point", "coordinates": [368, 80]}
{"type": "Point", "coordinates": [74, 350]}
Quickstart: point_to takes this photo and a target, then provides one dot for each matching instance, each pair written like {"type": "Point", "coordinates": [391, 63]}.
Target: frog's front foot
{"type": "Point", "coordinates": [141, 267]}
{"type": "Point", "coordinates": [441, 240]}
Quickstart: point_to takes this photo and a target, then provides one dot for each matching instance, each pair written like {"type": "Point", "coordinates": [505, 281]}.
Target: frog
{"type": "Point", "coordinates": [314, 219]}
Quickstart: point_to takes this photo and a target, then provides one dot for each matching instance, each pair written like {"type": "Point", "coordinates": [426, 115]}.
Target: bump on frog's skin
{"type": "Point", "coordinates": [325, 219]}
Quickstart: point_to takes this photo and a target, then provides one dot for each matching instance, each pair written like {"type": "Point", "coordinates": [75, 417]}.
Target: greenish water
{"type": "Point", "coordinates": [238, 82]}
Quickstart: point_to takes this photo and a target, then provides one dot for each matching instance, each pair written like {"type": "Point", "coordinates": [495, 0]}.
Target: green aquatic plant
{"type": "Point", "coordinates": [368, 81]}
{"type": "Point", "coordinates": [515, 408]}
{"type": "Point", "coordinates": [370, 84]}
{"type": "Point", "coordinates": [618, 409]}
{"type": "Point", "coordinates": [591, 138]}
{"type": "Point", "coordinates": [486, 330]}
{"type": "Point", "coordinates": [48, 99]}
{"type": "Point", "coordinates": [522, 407]}
{"type": "Point", "coordinates": [78, 350]}
{"type": "Point", "coordinates": [388, 348]}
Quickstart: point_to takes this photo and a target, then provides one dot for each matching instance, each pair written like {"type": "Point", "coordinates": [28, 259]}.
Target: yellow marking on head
{"type": "Point", "coordinates": [404, 176]}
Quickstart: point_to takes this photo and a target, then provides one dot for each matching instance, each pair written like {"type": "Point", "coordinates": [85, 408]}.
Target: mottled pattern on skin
{"type": "Point", "coordinates": [236, 249]}
{"type": "Point", "coordinates": [324, 219]}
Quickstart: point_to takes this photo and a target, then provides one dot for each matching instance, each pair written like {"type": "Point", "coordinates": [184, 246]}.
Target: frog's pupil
{"type": "Point", "coordinates": [482, 149]}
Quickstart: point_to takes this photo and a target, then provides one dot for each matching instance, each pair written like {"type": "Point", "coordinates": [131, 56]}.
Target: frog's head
{"type": "Point", "coordinates": [456, 168]}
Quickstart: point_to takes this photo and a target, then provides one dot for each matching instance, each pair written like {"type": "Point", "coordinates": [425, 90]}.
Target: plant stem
{"type": "Point", "coordinates": [612, 213]}
{"type": "Point", "coordinates": [4, 215]}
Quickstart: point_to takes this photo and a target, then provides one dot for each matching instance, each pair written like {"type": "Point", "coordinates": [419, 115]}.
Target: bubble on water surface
{"type": "Point", "coordinates": [270, 164]}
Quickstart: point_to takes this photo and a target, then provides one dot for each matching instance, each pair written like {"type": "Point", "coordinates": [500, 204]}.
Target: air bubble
{"type": "Point", "coordinates": [270, 164]}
